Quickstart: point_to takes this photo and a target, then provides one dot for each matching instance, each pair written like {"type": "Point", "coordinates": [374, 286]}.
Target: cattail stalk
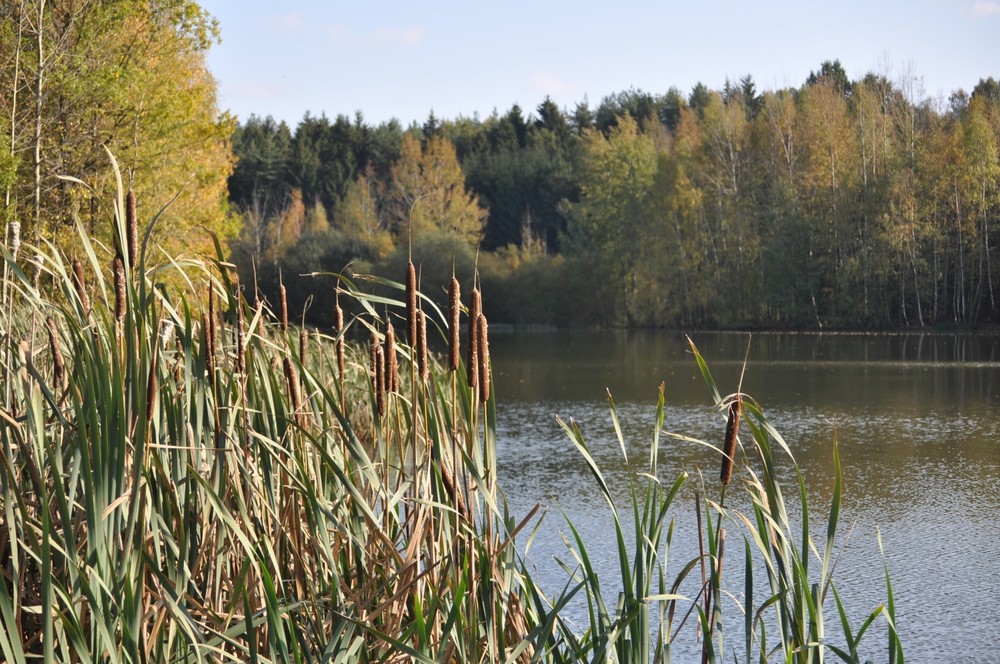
{"type": "Point", "coordinates": [209, 349]}
{"type": "Point", "coordinates": [59, 379]}
{"type": "Point", "coordinates": [338, 331]}
{"type": "Point", "coordinates": [422, 362]}
{"type": "Point", "coordinates": [376, 364]}
{"type": "Point", "coordinates": [119, 271]}
{"type": "Point", "coordinates": [303, 345]}
{"type": "Point", "coordinates": [454, 312]}
{"type": "Point", "coordinates": [131, 230]}
{"type": "Point", "coordinates": [484, 359]}
{"type": "Point", "coordinates": [391, 361]}
{"type": "Point", "coordinates": [472, 362]}
{"type": "Point", "coordinates": [380, 380]}
{"type": "Point", "coordinates": [283, 307]}
{"type": "Point", "coordinates": [80, 283]}
{"type": "Point", "coordinates": [241, 339]}
{"type": "Point", "coordinates": [411, 303]}
{"type": "Point", "coordinates": [292, 378]}
{"type": "Point", "coordinates": [213, 330]}
{"type": "Point", "coordinates": [729, 445]}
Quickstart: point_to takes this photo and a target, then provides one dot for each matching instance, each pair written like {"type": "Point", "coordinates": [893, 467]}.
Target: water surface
{"type": "Point", "coordinates": [916, 421]}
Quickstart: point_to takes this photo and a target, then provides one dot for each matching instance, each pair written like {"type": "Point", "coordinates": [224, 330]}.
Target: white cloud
{"type": "Point", "coordinates": [550, 85]}
{"type": "Point", "coordinates": [986, 8]}
{"type": "Point", "coordinates": [409, 36]}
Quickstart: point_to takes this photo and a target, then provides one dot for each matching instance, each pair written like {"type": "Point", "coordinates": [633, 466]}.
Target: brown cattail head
{"type": "Point", "coordinates": [209, 349]}
{"type": "Point", "coordinates": [338, 330]}
{"type": "Point", "coordinates": [422, 345]}
{"type": "Point", "coordinates": [13, 238]}
{"type": "Point", "coordinates": [59, 380]}
{"type": "Point", "coordinates": [131, 230]}
{"type": "Point", "coordinates": [283, 307]}
{"type": "Point", "coordinates": [472, 362]}
{"type": "Point", "coordinates": [411, 304]}
{"type": "Point", "coordinates": [454, 312]}
{"type": "Point", "coordinates": [80, 283]}
{"type": "Point", "coordinates": [482, 338]}
{"type": "Point", "coordinates": [119, 270]}
{"type": "Point", "coordinates": [391, 361]}
{"type": "Point", "coordinates": [729, 446]}
{"type": "Point", "coordinates": [292, 378]}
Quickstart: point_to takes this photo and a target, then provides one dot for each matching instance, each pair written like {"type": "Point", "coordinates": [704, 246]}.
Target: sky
{"type": "Point", "coordinates": [404, 60]}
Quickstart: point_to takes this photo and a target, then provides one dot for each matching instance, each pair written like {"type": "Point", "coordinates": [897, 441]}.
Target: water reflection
{"type": "Point", "coordinates": [914, 416]}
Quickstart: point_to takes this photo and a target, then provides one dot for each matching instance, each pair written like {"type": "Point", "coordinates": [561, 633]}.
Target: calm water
{"type": "Point", "coordinates": [918, 423]}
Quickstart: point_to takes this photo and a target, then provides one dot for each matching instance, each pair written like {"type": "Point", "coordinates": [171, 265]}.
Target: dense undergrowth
{"type": "Point", "coordinates": [187, 477]}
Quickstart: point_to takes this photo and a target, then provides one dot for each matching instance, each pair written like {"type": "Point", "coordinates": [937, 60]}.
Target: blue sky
{"type": "Point", "coordinates": [404, 59]}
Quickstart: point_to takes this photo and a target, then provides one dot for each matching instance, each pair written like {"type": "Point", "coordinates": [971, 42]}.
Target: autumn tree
{"type": "Point", "coordinates": [606, 229]}
{"type": "Point", "coordinates": [128, 77]}
{"type": "Point", "coordinates": [428, 193]}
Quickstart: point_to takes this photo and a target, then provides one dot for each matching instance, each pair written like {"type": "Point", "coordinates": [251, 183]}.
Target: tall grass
{"type": "Point", "coordinates": [187, 478]}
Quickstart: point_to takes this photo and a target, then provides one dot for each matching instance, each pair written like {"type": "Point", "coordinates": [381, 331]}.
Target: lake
{"type": "Point", "coordinates": [917, 417]}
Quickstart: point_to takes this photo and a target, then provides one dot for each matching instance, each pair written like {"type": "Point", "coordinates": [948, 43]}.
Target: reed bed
{"type": "Point", "coordinates": [188, 478]}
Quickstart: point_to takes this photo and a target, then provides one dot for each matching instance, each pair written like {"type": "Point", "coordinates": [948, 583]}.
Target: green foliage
{"type": "Point", "coordinates": [836, 204]}
{"type": "Point", "coordinates": [129, 76]}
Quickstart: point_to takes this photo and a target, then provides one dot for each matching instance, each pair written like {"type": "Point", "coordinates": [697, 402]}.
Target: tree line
{"type": "Point", "coordinates": [837, 204]}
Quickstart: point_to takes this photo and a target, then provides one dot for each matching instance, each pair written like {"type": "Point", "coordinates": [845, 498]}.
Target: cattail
{"type": "Point", "coordinates": [131, 230]}
{"type": "Point", "coordinates": [729, 446]}
{"type": "Point", "coordinates": [283, 307]}
{"type": "Point", "coordinates": [58, 364]}
{"type": "Point", "coordinates": [209, 350]}
{"type": "Point", "coordinates": [454, 312]}
{"type": "Point", "coordinates": [338, 330]}
{"type": "Point", "coordinates": [292, 378]}
{"type": "Point", "coordinates": [80, 282]}
{"type": "Point", "coordinates": [13, 238]}
{"type": "Point", "coordinates": [472, 362]}
{"type": "Point", "coordinates": [422, 345]}
{"type": "Point", "coordinates": [119, 270]}
{"type": "Point", "coordinates": [484, 359]}
{"type": "Point", "coordinates": [411, 303]}
{"type": "Point", "coordinates": [391, 362]}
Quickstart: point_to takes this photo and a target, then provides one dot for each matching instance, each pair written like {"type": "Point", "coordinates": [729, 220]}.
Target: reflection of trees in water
{"type": "Point", "coordinates": [914, 416]}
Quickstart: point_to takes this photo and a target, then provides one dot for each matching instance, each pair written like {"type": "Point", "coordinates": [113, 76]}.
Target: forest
{"type": "Point", "coordinates": [838, 204]}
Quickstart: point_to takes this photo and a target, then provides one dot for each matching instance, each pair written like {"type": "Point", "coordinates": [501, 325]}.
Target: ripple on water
{"type": "Point", "coordinates": [930, 483]}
